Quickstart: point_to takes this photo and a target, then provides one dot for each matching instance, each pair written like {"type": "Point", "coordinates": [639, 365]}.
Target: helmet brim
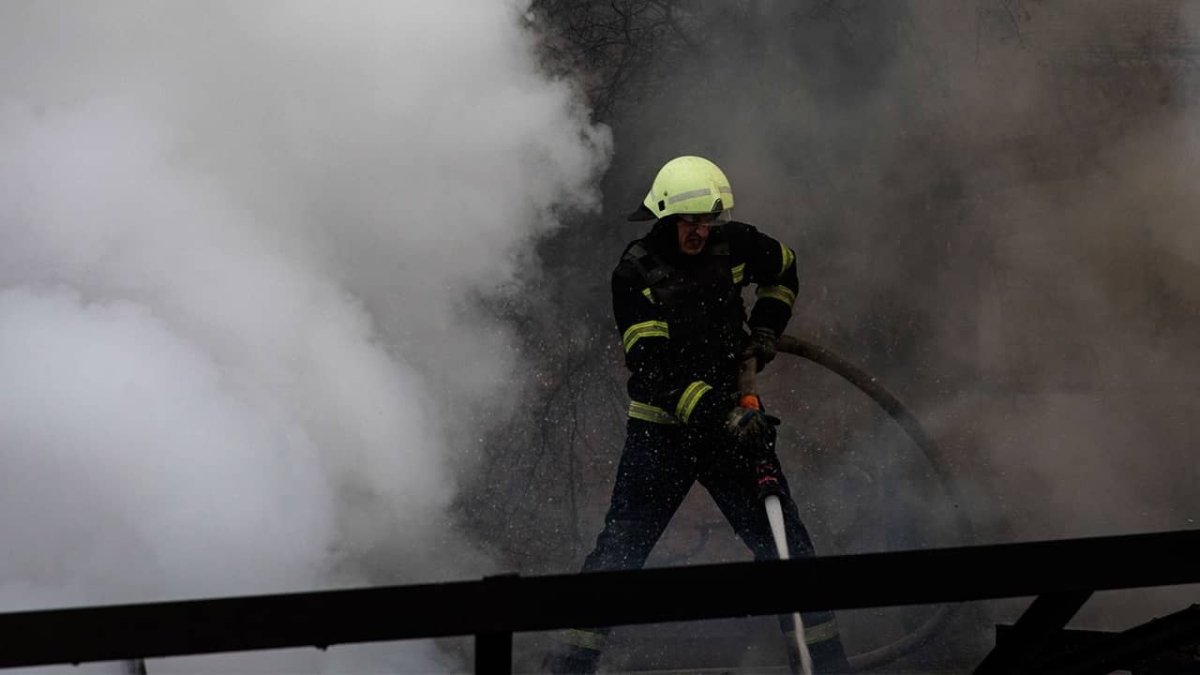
{"type": "Point", "coordinates": [642, 213]}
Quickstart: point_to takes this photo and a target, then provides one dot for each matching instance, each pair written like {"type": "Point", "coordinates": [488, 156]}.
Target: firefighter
{"type": "Point", "coordinates": [677, 301]}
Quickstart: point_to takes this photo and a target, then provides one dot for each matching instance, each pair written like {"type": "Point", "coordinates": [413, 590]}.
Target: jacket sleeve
{"type": "Point", "coordinates": [771, 266]}
{"type": "Point", "coordinates": [645, 335]}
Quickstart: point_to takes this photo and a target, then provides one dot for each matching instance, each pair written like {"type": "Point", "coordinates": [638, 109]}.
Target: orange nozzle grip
{"type": "Point", "coordinates": [750, 401]}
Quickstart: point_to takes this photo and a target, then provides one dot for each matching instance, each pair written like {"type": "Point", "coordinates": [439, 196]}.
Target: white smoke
{"type": "Point", "coordinates": [238, 248]}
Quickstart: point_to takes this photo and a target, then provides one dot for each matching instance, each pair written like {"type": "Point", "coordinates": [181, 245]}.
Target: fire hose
{"type": "Point", "coordinates": [870, 385]}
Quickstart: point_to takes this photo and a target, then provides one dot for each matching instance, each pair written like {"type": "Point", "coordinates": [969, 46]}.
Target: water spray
{"type": "Point", "coordinates": [768, 491]}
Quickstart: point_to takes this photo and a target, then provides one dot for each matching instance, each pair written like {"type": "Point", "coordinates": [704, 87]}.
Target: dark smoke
{"type": "Point", "coordinates": [992, 205]}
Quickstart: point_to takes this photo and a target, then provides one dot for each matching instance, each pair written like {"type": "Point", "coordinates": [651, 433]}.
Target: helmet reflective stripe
{"type": "Point", "coordinates": [697, 193]}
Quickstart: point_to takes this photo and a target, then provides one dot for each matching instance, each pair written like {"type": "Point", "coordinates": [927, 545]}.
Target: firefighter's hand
{"type": "Point", "coordinates": [744, 422]}
{"type": "Point", "coordinates": [762, 347]}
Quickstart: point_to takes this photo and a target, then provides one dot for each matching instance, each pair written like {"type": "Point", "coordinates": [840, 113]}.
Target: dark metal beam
{"type": "Point", "coordinates": [515, 604]}
{"type": "Point", "coordinates": [494, 650]}
{"type": "Point", "coordinates": [1034, 633]}
{"type": "Point", "coordinates": [493, 654]}
{"type": "Point", "coordinates": [1127, 649]}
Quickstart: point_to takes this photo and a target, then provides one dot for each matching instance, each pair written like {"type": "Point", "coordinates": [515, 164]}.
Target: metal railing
{"type": "Point", "coordinates": [494, 608]}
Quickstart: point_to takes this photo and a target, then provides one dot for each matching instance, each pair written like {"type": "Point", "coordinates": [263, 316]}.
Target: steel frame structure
{"type": "Point", "coordinates": [1059, 574]}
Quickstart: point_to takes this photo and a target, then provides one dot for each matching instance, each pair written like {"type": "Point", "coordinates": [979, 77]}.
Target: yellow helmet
{"type": "Point", "coordinates": [686, 184]}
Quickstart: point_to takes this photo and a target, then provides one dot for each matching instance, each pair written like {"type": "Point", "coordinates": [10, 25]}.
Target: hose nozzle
{"type": "Point", "coordinates": [767, 480]}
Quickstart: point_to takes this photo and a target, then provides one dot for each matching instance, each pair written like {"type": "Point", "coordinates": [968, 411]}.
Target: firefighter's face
{"type": "Point", "coordinates": [693, 231]}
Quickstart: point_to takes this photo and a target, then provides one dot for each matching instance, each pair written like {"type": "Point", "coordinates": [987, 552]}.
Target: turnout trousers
{"type": "Point", "coordinates": [658, 466]}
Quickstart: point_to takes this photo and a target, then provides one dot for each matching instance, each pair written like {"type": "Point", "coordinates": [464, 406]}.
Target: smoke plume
{"type": "Point", "coordinates": [998, 222]}
{"type": "Point", "coordinates": [992, 209]}
{"type": "Point", "coordinates": [240, 245]}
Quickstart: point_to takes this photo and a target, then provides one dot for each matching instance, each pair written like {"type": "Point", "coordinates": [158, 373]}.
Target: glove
{"type": "Point", "coordinates": [746, 419]}
{"type": "Point", "coordinates": [761, 347]}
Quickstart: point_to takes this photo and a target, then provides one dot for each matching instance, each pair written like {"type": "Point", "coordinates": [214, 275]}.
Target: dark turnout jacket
{"type": "Point", "coordinates": [681, 317]}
